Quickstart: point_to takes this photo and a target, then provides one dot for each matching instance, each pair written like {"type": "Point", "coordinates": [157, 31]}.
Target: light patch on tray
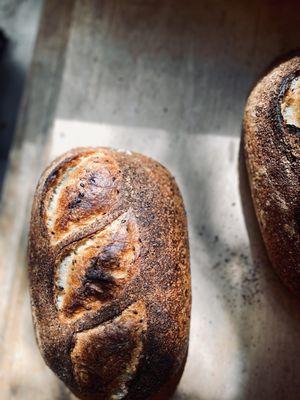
{"type": "Point", "coordinates": [290, 105]}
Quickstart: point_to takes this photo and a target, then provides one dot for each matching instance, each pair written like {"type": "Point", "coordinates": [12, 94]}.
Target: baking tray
{"type": "Point", "coordinates": [170, 80]}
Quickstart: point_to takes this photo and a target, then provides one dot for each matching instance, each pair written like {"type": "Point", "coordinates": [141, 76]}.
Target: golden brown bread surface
{"type": "Point", "coordinates": [272, 148]}
{"type": "Point", "coordinates": [109, 274]}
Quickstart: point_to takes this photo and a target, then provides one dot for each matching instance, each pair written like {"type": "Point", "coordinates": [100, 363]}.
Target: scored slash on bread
{"type": "Point", "coordinates": [109, 274]}
{"type": "Point", "coordinates": [85, 187]}
{"type": "Point", "coordinates": [92, 271]}
{"type": "Point", "coordinates": [272, 149]}
{"type": "Point", "coordinates": [110, 350]}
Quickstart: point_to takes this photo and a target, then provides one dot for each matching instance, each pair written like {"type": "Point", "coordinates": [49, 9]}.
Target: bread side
{"type": "Point", "coordinates": [272, 148]}
{"type": "Point", "coordinates": [109, 274]}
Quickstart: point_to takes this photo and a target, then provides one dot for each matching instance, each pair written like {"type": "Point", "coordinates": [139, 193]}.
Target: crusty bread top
{"type": "Point", "coordinates": [272, 144]}
{"type": "Point", "coordinates": [109, 263]}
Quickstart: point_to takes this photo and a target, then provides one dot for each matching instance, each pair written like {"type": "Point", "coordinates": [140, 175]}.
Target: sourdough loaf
{"type": "Point", "coordinates": [272, 148]}
{"type": "Point", "coordinates": [109, 274]}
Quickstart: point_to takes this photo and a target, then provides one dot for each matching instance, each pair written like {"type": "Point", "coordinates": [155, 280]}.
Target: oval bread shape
{"type": "Point", "coordinates": [109, 274]}
{"type": "Point", "coordinates": [272, 149]}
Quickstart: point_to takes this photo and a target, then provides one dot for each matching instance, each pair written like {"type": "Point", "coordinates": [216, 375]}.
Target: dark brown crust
{"type": "Point", "coordinates": [272, 155]}
{"type": "Point", "coordinates": [162, 282]}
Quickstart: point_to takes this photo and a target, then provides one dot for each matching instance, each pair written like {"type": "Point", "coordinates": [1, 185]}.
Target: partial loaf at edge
{"type": "Point", "coordinates": [272, 148]}
{"type": "Point", "coordinates": [109, 275]}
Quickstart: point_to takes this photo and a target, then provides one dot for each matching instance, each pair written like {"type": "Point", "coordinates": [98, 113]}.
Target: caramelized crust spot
{"type": "Point", "coordinates": [107, 356]}
{"type": "Point", "coordinates": [84, 189]}
{"type": "Point", "coordinates": [97, 269]}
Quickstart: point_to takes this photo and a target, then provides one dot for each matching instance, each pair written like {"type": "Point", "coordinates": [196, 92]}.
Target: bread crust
{"type": "Point", "coordinates": [109, 274]}
{"type": "Point", "coordinates": [272, 149]}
